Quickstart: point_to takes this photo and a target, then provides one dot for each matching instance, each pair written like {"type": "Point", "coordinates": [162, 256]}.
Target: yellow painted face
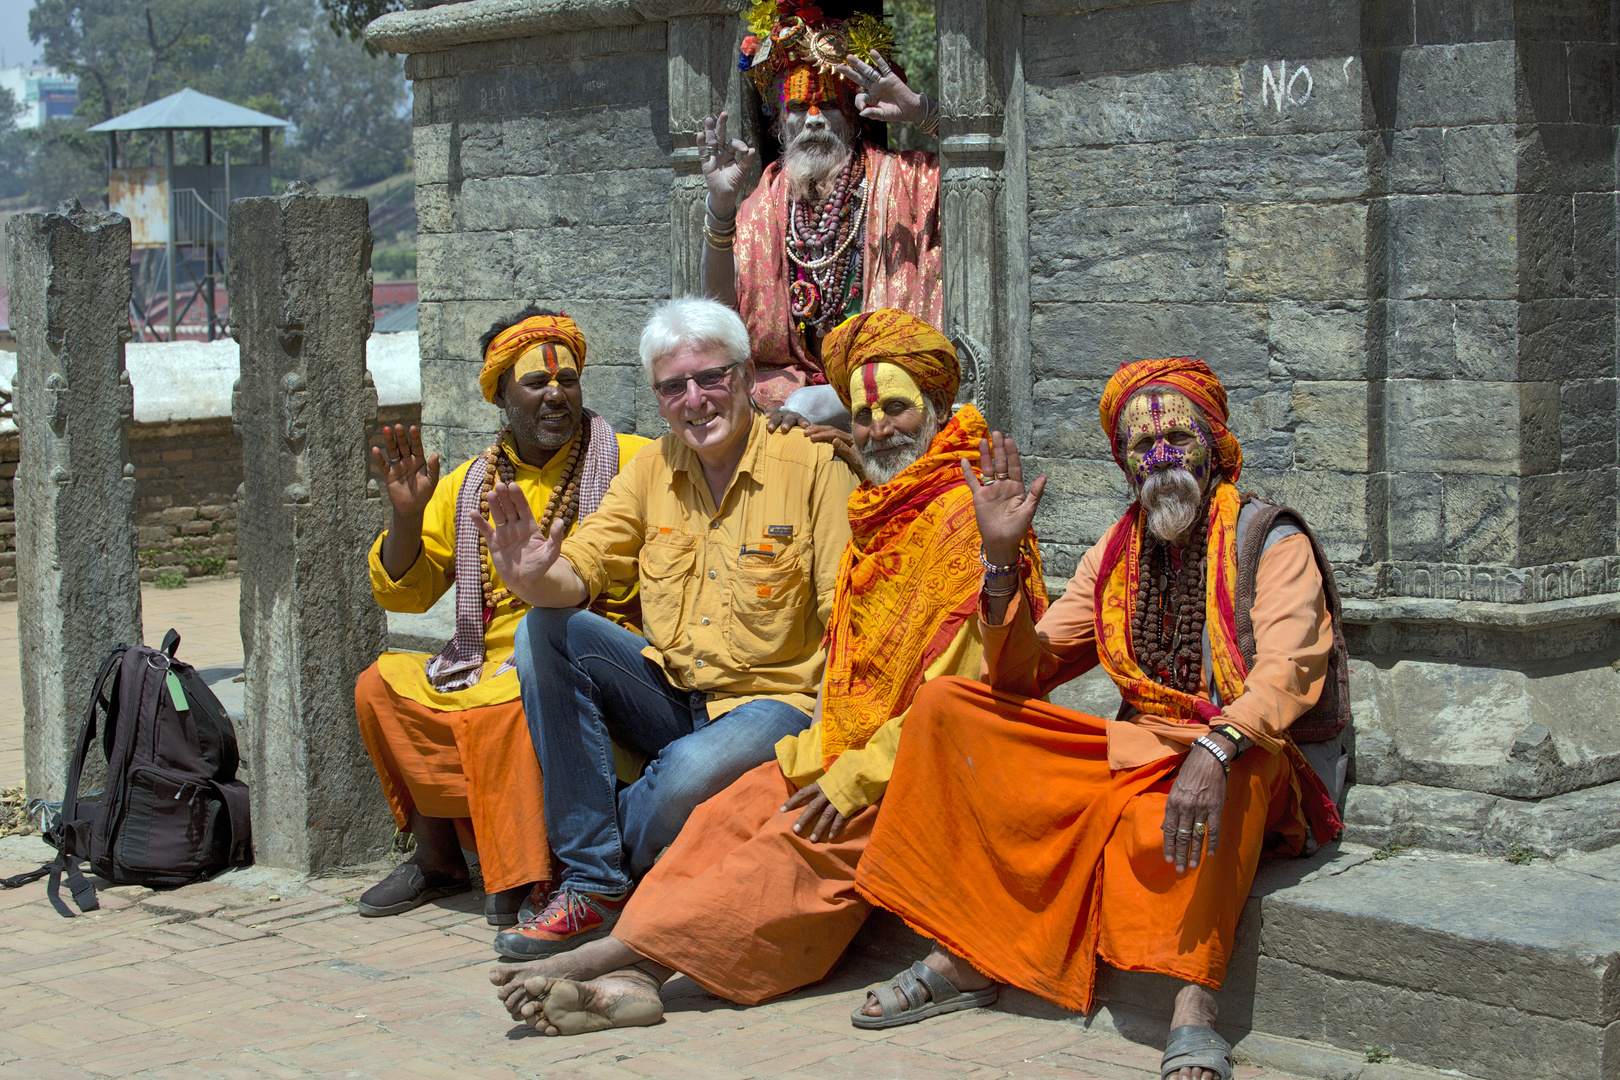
{"type": "Point", "coordinates": [875, 387]}
{"type": "Point", "coordinates": [547, 359]}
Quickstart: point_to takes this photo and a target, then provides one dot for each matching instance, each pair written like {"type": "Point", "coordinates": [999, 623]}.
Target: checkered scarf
{"type": "Point", "coordinates": [460, 664]}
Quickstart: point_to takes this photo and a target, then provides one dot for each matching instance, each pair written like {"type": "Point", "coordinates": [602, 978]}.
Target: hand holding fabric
{"type": "Point", "coordinates": [1196, 799]}
{"type": "Point", "coordinates": [520, 551]}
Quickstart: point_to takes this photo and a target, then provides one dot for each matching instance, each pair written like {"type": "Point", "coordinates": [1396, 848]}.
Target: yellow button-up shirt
{"type": "Point", "coordinates": [735, 598]}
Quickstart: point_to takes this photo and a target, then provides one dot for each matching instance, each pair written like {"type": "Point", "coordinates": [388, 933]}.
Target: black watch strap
{"type": "Point", "coordinates": [1240, 741]}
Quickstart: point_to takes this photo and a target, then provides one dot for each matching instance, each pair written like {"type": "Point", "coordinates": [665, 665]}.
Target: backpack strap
{"type": "Point", "coordinates": [102, 693]}
{"type": "Point", "coordinates": [235, 797]}
{"type": "Point", "coordinates": [171, 642]}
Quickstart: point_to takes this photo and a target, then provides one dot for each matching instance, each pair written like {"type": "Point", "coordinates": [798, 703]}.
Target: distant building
{"type": "Point", "coordinates": [42, 93]}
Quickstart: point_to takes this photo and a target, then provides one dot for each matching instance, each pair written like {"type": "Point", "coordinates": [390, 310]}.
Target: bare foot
{"type": "Point", "coordinates": [962, 975]}
{"type": "Point", "coordinates": [626, 998]}
{"type": "Point", "coordinates": [589, 961]}
{"type": "Point", "coordinates": [1195, 1005]}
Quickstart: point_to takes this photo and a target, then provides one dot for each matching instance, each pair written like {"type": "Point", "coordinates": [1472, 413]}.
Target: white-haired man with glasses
{"type": "Point", "coordinates": [734, 534]}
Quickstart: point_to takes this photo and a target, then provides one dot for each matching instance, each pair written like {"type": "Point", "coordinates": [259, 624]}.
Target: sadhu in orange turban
{"type": "Point", "coordinates": [1191, 378]}
{"type": "Point", "coordinates": [888, 338]}
{"type": "Point", "coordinates": [525, 347]}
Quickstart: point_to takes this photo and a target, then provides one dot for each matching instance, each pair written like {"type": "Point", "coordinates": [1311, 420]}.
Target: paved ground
{"type": "Point", "coordinates": [258, 974]}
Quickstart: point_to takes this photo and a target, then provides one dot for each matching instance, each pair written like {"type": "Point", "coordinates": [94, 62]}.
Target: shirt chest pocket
{"type": "Point", "coordinates": [769, 610]}
{"type": "Point", "coordinates": [666, 575]}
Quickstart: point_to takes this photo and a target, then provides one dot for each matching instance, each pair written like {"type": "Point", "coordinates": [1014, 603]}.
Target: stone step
{"type": "Point", "coordinates": [1439, 961]}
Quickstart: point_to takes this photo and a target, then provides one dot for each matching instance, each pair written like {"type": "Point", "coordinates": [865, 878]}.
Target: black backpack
{"type": "Point", "coordinates": [173, 811]}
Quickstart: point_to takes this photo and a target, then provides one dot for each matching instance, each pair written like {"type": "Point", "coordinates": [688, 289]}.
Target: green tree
{"type": "Point", "coordinates": [917, 46]}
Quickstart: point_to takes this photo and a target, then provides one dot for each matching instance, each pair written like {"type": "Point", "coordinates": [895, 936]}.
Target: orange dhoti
{"type": "Point", "coordinates": [1007, 838]}
{"type": "Point", "coordinates": [475, 766]}
{"type": "Point", "coordinates": [741, 905]}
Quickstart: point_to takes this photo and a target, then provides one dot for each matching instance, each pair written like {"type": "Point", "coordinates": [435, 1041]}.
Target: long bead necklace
{"type": "Point", "coordinates": [564, 503]}
{"type": "Point", "coordinates": [821, 245]}
{"type": "Point", "coordinates": [1167, 625]}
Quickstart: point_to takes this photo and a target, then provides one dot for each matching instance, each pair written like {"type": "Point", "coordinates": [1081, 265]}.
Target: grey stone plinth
{"type": "Point", "coordinates": [300, 278]}
{"type": "Point", "coordinates": [78, 588]}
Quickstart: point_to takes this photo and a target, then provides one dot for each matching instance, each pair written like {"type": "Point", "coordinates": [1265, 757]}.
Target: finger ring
{"type": "Point", "coordinates": [1198, 828]}
{"type": "Point", "coordinates": [395, 460]}
{"type": "Point", "coordinates": [1183, 832]}
{"type": "Point", "coordinates": [1002, 476]}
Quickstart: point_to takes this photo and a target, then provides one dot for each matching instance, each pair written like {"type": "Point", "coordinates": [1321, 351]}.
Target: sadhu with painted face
{"type": "Point", "coordinates": [1030, 841]}
{"type": "Point", "coordinates": [447, 733]}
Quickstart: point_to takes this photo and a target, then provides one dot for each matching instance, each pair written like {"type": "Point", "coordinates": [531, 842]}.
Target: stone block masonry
{"type": "Point", "coordinates": [75, 497]}
{"type": "Point", "coordinates": [304, 406]}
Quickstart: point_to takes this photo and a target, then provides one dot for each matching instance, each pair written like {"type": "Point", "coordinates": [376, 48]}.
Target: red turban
{"type": "Point", "coordinates": [514, 341]}
{"type": "Point", "coordinates": [892, 336]}
{"type": "Point", "coordinates": [1190, 378]}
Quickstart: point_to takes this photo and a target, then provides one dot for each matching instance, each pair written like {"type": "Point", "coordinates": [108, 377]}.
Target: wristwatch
{"type": "Point", "coordinates": [1240, 741]}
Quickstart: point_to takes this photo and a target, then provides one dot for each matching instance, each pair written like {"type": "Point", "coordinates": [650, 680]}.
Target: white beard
{"type": "Point", "coordinates": [1172, 498]}
{"type": "Point", "coordinates": [905, 450]}
{"type": "Point", "coordinates": [812, 163]}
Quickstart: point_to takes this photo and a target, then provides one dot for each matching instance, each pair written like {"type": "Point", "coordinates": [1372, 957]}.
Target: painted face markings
{"type": "Point", "coordinates": [1160, 433]}
{"type": "Point", "coordinates": [549, 358]}
{"type": "Point", "coordinates": [874, 386]}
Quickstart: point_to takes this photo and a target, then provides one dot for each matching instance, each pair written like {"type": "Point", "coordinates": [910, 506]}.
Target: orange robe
{"type": "Point", "coordinates": [902, 262]}
{"type": "Point", "coordinates": [1028, 838]}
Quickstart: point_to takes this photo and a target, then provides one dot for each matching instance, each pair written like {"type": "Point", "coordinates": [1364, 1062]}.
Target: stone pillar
{"type": "Point", "coordinates": [300, 287]}
{"type": "Point", "coordinates": [78, 590]}
{"type": "Point", "coordinates": [702, 82]}
{"type": "Point", "coordinates": [983, 205]}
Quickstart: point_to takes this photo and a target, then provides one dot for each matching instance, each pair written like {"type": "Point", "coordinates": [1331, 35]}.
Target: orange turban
{"type": "Point", "coordinates": [889, 335]}
{"type": "Point", "coordinates": [1192, 379]}
{"type": "Point", "coordinates": [514, 341]}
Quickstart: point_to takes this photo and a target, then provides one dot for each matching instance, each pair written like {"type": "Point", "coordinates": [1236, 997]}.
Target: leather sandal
{"type": "Point", "coordinates": [900, 998]}
{"type": "Point", "coordinates": [408, 886]}
{"type": "Point", "coordinates": [1195, 1047]}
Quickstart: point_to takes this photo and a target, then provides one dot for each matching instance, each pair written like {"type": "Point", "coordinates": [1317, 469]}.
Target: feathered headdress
{"type": "Point", "coordinates": [796, 38]}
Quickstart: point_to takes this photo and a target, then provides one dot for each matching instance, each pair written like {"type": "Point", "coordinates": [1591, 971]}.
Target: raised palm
{"type": "Point", "coordinates": [409, 474]}
{"type": "Point", "coordinates": [520, 551]}
{"type": "Point", "coordinates": [1004, 509]}
{"type": "Point", "coordinates": [726, 163]}
{"type": "Point", "coordinates": [884, 95]}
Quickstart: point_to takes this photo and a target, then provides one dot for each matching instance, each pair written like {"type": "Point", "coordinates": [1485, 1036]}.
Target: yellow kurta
{"type": "Point", "coordinates": [430, 576]}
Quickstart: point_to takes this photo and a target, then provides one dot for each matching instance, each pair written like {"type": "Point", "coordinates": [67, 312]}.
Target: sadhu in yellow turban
{"type": "Point", "coordinates": [541, 343]}
{"type": "Point", "coordinates": [1191, 378]}
{"type": "Point", "coordinates": [891, 351]}
{"type": "Point", "coordinates": [910, 576]}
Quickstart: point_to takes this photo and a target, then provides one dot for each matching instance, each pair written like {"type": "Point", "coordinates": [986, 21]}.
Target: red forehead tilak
{"type": "Point", "coordinates": [549, 352]}
{"type": "Point", "coordinates": [869, 380]}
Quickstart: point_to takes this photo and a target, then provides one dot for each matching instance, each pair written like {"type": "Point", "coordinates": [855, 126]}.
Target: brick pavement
{"type": "Point", "coordinates": [261, 974]}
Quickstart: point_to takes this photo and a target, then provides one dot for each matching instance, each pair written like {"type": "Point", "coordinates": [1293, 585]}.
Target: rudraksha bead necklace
{"type": "Point", "coordinates": [821, 244]}
{"type": "Point", "coordinates": [564, 502]}
{"type": "Point", "coordinates": [1167, 625]}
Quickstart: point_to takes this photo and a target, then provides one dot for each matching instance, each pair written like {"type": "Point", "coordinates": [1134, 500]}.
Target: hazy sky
{"type": "Point", "coordinates": [14, 41]}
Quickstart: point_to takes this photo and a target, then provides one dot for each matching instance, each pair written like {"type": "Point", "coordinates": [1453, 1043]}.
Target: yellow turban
{"type": "Point", "coordinates": [890, 336]}
{"type": "Point", "coordinates": [513, 342]}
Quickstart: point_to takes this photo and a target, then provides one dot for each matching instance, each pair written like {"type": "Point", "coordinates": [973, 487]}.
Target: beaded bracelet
{"type": "Point", "coordinates": [992, 568]}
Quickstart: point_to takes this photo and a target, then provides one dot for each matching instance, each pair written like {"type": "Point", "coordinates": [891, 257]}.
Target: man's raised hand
{"type": "Point", "coordinates": [520, 552]}
{"type": "Point", "coordinates": [409, 474]}
{"type": "Point", "coordinates": [726, 164]}
{"type": "Point", "coordinates": [1005, 510]}
{"type": "Point", "coordinates": [883, 94]}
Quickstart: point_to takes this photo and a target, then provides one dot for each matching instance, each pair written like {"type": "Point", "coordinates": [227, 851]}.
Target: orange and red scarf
{"type": "Point", "coordinates": [909, 580]}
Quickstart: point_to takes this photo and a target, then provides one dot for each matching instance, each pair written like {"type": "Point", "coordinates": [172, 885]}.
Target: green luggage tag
{"type": "Point", "coordinates": [177, 695]}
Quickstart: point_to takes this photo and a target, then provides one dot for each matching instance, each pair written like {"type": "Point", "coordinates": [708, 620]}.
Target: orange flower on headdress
{"type": "Point", "coordinates": [891, 336]}
{"type": "Point", "coordinates": [1191, 378]}
{"type": "Point", "coordinates": [513, 342]}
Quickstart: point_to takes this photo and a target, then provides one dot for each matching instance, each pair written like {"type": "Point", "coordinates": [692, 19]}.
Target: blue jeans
{"type": "Point", "coordinates": [585, 683]}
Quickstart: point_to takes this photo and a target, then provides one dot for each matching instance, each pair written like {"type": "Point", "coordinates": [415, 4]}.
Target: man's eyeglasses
{"type": "Point", "coordinates": [707, 379]}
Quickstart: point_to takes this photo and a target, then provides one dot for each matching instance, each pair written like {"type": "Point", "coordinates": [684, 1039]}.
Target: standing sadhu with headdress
{"type": "Point", "coordinates": [756, 896]}
{"type": "Point", "coordinates": [838, 225]}
{"type": "Point", "coordinates": [447, 732]}
{"type": "Point", "coordinates": [1028, 840]}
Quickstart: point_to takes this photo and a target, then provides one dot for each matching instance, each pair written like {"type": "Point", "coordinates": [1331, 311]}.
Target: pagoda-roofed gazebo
{"type": "Point", "coordinates": [172, 206]}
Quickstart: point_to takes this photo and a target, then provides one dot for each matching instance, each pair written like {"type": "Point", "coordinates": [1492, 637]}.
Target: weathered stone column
{"type": "Point", "coordinates": [703, 81]}
{"type": "Point", "coordinates": [300, 286]}
{"type": "Point", "coordinates": [983, 204]}
{"type": "Point", "coordinates": [78, 590]}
